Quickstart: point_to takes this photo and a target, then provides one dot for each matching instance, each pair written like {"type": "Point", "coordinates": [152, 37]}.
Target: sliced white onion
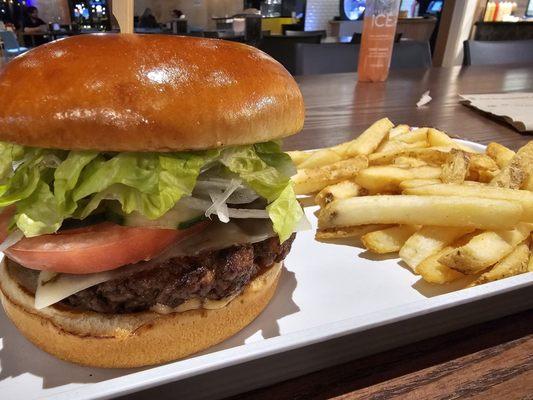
{"type": "Point", "coordinates": [219, 201]}
{"type": "Point", "coordinates": [195, 203]}
{"type": "Point", "coordinates": [221, 209]}
{"type": "Point", "coordinates": [243, 195]}
{"type": "Point", "coordinates": [247, 213]}
{"type": "Point", "coordinates": [11, 239]}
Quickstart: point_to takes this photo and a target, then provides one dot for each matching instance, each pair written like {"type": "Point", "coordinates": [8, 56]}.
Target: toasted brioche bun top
{"type": "Point", "coordinates": [130, 92]}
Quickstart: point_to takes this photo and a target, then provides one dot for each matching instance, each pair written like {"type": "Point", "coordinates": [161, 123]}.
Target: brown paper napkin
{"type": "Point", "coordinates": [515, 108]}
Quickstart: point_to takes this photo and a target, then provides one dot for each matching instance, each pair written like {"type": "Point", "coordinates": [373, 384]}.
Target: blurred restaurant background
{"type": "Point", "coordinates": [307, 37]}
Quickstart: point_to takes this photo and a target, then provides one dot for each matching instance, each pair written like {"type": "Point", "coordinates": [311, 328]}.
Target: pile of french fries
{"type": "Point", "coordinates": [448, 211]}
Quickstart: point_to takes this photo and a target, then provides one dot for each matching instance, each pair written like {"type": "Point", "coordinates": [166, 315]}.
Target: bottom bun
{"type": "Point", "coordinates": [132, 340]}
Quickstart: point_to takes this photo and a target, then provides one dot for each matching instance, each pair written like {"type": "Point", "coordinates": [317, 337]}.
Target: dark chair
{"type": "Point", "coordinates": [330, 58]}
{"type": "Point", "coordinates": [356, 38]}
{"type": "Point", "coordinates": [322, 34]}
{"type": "Point", "coordinates": [148, 30]}
{"type": "Point", "coordinates": [283, 48]}
{"type": "Point", "coordinates": [501, 52]}
{"type": "Point", "coordinates": [211, 34]}
{"type": "Point", "coordinates": [192, 33]}
{"type": "Point", "coordinates": [292, 27]}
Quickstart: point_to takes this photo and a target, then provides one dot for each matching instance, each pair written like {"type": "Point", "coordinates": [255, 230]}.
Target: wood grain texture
{"type": "Point", "coordinates": [493, 360]}
{"type": "Point", "coordinates": [339, 109]}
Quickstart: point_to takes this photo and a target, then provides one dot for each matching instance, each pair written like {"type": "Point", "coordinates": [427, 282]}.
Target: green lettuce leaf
{"type": "Point", "coordinates": [271, 153]}
{"type": "Point", "coordinates": [66, 178]}
{"type": "Point", "coordinates": [269, 180]}
{"type": "Point", "coordinates": [175, 176]}
{"type": "Point", "coordinates": [285, 213]}
{"type": "Point", "coordinates": [265, 180]}
{"type": "Point", "coordinates": [49, 186]}
{"type": "Point", "coordinates": [135, 170]}
{"type": "Point", "coordinates": [39, 213]}
{"type": "Point", "coordinates": [9, 153]}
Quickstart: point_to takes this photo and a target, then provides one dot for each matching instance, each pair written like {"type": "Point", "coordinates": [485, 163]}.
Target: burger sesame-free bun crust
{"type": "Point", "coordinates": [132, 340]}
{"type": "Point", "coordinates": [130, 92]}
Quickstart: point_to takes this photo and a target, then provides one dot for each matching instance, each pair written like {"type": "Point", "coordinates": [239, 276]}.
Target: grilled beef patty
{"type": "Point", "coordinates": [212, 275]}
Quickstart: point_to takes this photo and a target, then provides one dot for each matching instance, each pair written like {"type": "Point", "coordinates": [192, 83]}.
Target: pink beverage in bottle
{"type": "Point", "coordinates": [379, 28]}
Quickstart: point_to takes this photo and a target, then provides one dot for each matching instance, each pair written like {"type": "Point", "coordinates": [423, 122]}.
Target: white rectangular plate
{"type": "Point", "coordinates": [326, 291]}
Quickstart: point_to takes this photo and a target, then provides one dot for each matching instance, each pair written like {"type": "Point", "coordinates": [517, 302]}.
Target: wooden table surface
{"type": "Point", "coordinates": [339, 108]}
{"type": "Point", "coordinates": [493, 360]}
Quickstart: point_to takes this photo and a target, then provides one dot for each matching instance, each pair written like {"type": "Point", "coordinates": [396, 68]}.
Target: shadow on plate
{"type": "Point", "coordinates": [368, 255]}
{"type": "Point", "coordinates": [350, 242]}
{"type": "Point", "coordinates": [280, 306]}
{"type": "Point", "coordinates": [18, 356]}
{"type": "Point", "coordinates": [432, 289]}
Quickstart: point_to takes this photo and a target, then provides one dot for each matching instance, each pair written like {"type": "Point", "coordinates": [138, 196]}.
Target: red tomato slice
{"type": "Point", "coordinates": [96, 248]}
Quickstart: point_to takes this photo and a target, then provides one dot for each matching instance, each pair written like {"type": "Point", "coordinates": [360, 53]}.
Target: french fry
{"type": "Point", "coordinates": [428, 241]}
{"type": "Point", "coordinates": [398, 130]}
{"type": "Point", "coordinates": [513, 264]}
{"type": "Point", "coordinates": [485, 249]}
{"type": "Point", "coordinates": [386, 179]}
{"type": "Point", "coordinates": [409, 162]}
{"type": "Point", "coordinates": [312, 180]}
{"type": "Point", "coordinates": [320, 158]}
{"type": "Point", "coordinates": [433, 271]}
{"type": "Point", "coordinates": [388, 240]}
{"type": "Point", "coordinates": [483, 168]}
{"type": "Point", "coordinates": [512, 176]}
{"type": "Point", "coordinates": [500, 154]}
{"type": "Point", "coordinates": [431, 155]}
{"type": "Point", "coordinates": [530, 265]}
{"type": "Point", "coordinates": [480, 162]}
{"type": "Point", "coordinates": [456, 167]}
{"type": "Point", "coordinates": [516, 174]}
{"type": "Point", "coordinates": [468, 212]}
{"type": "Point", "coordinates": [473, 183]}
{"type": "Point", "coordinates": [299, 157]}
{"type": "Point", "coordinates": [524, 197]}
{"type": "Point", "coordinates": [414, 136]}
{"type": "Point", "coordinates": [485, 176]}
{"type": "Point", "coordinates": [528, 185]}
{"type": "Point", "coordinates": [526, 159]}
{"type": "Point", "coordinates": [347, 231]}
{"type": "Point", "coordinates": [412, 183]}
{"type": "Point", "coordinates": [341, 190]}
{"type": "Point", "coordinates": [458, 212]}
{"type": "Point", "coordinates": [370, 139]}
{"type": "Point", "coordinates": [393, 145]}
{"type": "Point", "coordinates": [389, 146]}
{"type": "Point", "coordinates": [439, 138]}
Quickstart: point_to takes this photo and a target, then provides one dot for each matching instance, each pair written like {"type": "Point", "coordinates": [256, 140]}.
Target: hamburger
{"type": "Point", "coordinates": [146, 202]}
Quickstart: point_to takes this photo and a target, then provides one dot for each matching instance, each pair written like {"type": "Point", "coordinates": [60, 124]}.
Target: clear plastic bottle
{"type": "Point", "coordinates": [379, 28]}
